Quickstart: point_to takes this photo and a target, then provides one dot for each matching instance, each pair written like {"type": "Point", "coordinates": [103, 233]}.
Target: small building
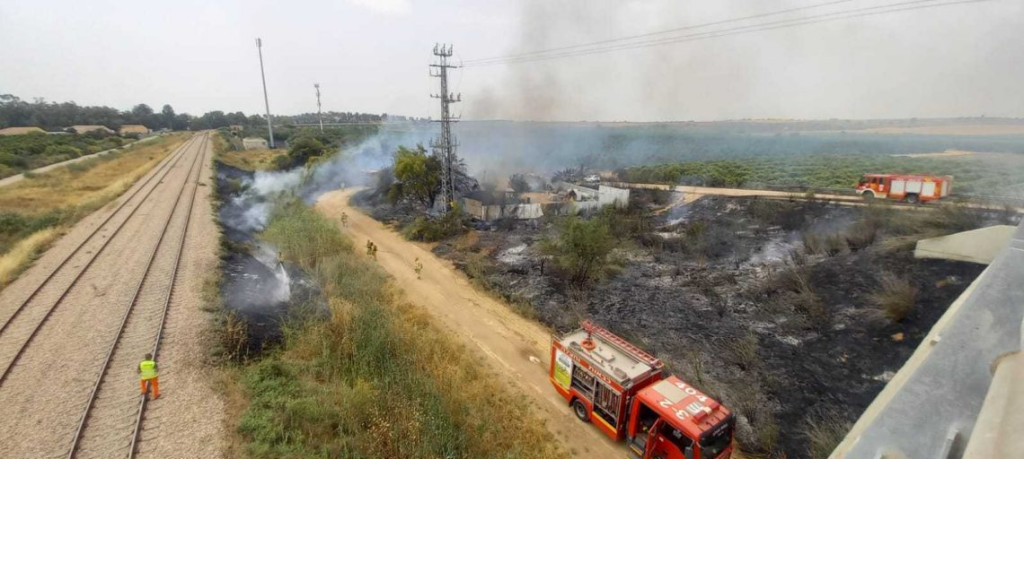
{"type": "Point", "coordinates": [254, 143]}
{"type": "Point", "coordinates": [537, 198]}
{"type": "Point", "coordinates": [134, 130]}
{"type": "Point", "coordinates": [20, 130]}
{"type": "Point", "coordinates": [236, 129]}
{"type": "Point", "coordinates": [89, 128]}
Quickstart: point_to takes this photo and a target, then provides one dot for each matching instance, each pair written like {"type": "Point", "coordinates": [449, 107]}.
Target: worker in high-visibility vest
{"type": "Point", "coordinates": [149, 375]}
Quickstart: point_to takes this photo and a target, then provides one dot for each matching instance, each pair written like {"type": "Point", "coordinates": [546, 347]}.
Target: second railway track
{"type": "Point", "coordinates": [106, 314]}
{"type": "Point", "coordinates": [21, 326]}
{"type": "Point", "coordinates": [113, 414]}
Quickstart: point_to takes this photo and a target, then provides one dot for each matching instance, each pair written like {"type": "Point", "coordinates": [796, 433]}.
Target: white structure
{"type": "Point", "coordinates": [254, 143]}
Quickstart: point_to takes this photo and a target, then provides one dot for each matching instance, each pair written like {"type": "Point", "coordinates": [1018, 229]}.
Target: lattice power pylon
{"type": "Point", "coordinates": [445, 144]}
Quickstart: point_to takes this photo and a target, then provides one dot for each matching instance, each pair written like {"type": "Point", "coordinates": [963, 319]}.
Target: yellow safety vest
{"type": "Point", "coordinates": [148, 370]}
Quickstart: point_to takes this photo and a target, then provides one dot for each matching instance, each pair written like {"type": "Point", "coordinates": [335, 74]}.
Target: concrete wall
{"type": "Point", "coordinates": [608, 195]}
{"type": "Point", "coordinates": [492, 212]}
{"type": "Point", "coordinates": [979, 246]}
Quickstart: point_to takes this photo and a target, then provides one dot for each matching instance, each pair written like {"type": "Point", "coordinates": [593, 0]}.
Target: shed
{"type": "Point", "coordinates": [20, 130]}
{"type": "Point", "coordinates": [254, 143]}
{"type": "Point", "coordinates": [131, 129]}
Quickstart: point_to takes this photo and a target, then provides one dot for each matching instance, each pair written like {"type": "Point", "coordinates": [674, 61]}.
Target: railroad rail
{"type": "Point", "coordinates": [64, 265]}
{"type": "Point", "coordinates": [111, 423]}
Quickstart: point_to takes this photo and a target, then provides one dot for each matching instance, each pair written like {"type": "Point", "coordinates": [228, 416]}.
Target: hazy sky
{"type": "Point", "coordinates": [372, 56]}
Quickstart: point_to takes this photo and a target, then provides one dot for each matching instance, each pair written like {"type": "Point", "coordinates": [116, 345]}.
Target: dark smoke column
{"type": "Point", "coordinates": [446, 144]}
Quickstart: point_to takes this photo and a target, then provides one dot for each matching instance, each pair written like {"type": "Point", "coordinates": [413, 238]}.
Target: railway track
{"type": "Point", "coordinates": [21, 327]}
{"type": "Point", "coordinates": [112, 417]}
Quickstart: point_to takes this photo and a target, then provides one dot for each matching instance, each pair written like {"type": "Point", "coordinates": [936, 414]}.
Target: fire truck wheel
{"type": "Point", "coordinates": [580, 409]}
{"type": "Point", "coordinates": [911, 198]}
{"type": "Point", "coordinates": [868, 195]}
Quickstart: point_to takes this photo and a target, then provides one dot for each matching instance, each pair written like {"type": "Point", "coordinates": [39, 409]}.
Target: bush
{"type": "Point", "coordinates": [12, 160]}
{"type": "Point", "coordinates": [428, 229]}
{"type": "Point", "coordinates": [581, 249]}
{"type": "Point", "coordinates": [861, 235]}
{"type": "Point", "coordinates": [895, 298]}
{"type": "Point", "coordinates": [813, 243]}
{"type": "Point", "coordinates": [834, 244]}
{"type": "Point", "coordinates": [743, 350]}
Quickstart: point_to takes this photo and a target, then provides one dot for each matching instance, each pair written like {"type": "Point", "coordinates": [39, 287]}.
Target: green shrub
{"type": "Point", "coordinates": [432, 229]}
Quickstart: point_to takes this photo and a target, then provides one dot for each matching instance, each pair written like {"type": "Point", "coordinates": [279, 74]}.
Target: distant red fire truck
{"type": "Point", "coordinates": [906, 187]}
{"type": "Point", "coordinates": [622, 390]}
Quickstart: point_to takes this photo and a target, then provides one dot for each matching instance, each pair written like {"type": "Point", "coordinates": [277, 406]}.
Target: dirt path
{"type": "Point", "coordinates": [42, 400]}
{"type": "Point", "coordinates": [515, 347]}
{"type": "Point", "coordinates": [690, 193]}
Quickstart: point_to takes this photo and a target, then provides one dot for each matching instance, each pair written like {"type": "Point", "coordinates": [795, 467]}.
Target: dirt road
{"type": "Point", "coordinates": [43, 396]}
{"type": "Point", "coordinates": [690, 193]}
{"type": "Point", "coordinates": [516, 348]}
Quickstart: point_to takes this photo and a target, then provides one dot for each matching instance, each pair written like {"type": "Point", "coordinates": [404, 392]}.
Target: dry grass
{"type": "Point", "coordinates": [743, 351]}
{"type": "Point", "coordinates": [34, 211]}
{"type": "Point", "coordinates": [378, 377]}
{"type": "Point", "coordinates": [94, 184]}
{"type": "Point", "coordinates": [895, 297]}
{"type": "Point", "coordinates": [250, 160]}
{"type": "Point", "coordinates": [18, 258]}
{"type": "Point", "coordinates": [825, 432]}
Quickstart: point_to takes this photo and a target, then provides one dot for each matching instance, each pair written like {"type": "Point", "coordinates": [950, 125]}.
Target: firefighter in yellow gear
{"type": "Point", "coordinates": [149, 376]}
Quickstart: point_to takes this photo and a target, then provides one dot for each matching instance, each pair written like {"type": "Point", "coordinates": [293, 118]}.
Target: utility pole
{"type": "Point", "coordinates": [270, 125]}
{"type": "Point", "coordinates": [318, 115]}
{"type": "Point", "coordinates": [446, 144]}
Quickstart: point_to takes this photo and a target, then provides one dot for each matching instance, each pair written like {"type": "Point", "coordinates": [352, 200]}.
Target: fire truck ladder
{"type": "Point", "coordinates": [592, 328]}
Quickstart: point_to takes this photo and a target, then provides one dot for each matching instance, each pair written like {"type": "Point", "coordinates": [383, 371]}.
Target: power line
{"type": "Point", "coordinates": [803, 20]}
{"type": "Point", "coordinates": [658, 33]}
{"type": "Point", "coordinates": [736, 31]}
{"type": "Point", "coordinates": [841, 14]}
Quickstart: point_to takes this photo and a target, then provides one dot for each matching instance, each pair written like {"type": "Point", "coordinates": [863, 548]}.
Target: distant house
{"type": "Point", "coordinates": [236, 129]}
{"type": "Point", "coordinates": [87, 128]}
{"type": "Point", "coordinates": [134, 129]}
{"type": "Point", "coordinates": [19, 130]}
{"type": "Point", "coordinates": [254, 143]}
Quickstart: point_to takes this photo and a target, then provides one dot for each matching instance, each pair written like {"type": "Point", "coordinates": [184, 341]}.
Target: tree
{"type": "Point", "coordinates": [303, 150]}
{"type": "Point", "coordinates": [518, 183]}
{"type": "Point", "coordinates": [581, 249]}
{"type": "Point", "coordinates": [418, 176]}
{"type": "Point", "coordinates": [167, 112]}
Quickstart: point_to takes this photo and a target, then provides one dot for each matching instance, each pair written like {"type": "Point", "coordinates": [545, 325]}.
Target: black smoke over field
{"type": "Point", "coordinates": [851, 67]}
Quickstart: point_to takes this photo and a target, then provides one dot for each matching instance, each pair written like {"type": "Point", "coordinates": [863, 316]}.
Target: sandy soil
{"type": "Point", "coordinates": [515, 347]}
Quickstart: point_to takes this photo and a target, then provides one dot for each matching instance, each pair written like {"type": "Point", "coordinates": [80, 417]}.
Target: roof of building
{"type": "Point", "coordinates": [84, 128]}
{"type": "Point", "coordinates": [134, 128]}
{"type": "Point", "coordinates": [19, 130]}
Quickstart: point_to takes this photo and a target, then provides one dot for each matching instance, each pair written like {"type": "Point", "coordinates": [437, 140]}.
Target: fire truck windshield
{"type": "Point", "coordinates": [716, 440]}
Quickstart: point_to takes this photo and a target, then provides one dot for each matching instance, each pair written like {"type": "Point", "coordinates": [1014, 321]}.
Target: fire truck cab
{"type": "Point", "coordinates": [906, 187]}
{"type": "Point", "coordinates": [622, 390]}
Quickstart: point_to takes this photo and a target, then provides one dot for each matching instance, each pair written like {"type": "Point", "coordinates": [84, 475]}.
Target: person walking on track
{"type": "Point", "coordinates": [344, 219]}
{"type": "Point", "coordinates": [419, 268]}
{"type": "Point", "coordinates": [148, 376]}
{"type": "Point", "coordinates": [374, 251]}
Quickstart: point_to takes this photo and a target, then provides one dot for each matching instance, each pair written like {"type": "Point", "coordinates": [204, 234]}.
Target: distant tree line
{"type": "Point", "coordinates": [54, 116]}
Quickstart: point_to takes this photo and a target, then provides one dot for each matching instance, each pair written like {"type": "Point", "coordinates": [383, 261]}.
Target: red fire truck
{"type": "Point", "coordinates": [623, 391]}
{"type": "Point", "coordinates": [907, 187]}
